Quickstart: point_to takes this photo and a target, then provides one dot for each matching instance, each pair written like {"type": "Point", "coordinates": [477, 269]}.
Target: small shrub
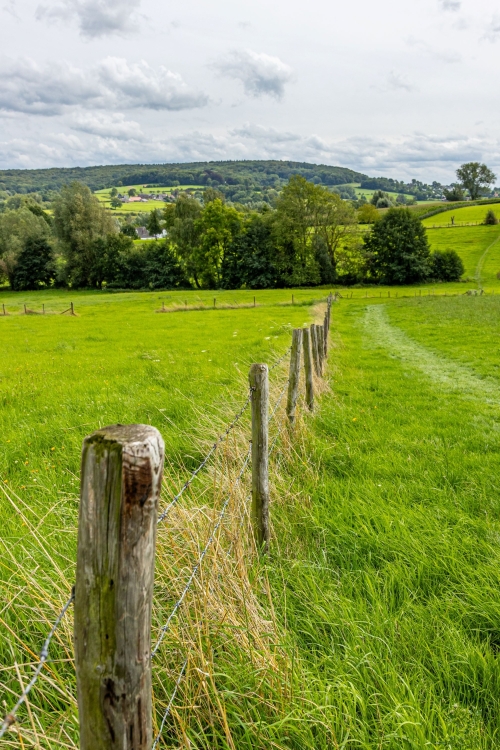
{"type": "Point", "coordinates": [446, 265]}
{"type": "Point", "coordinates": [490, 217]}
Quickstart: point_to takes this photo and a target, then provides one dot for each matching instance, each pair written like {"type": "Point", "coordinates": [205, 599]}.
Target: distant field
{"type": "Point", "coordinates": [470, 213]}
{"type": "Point", "coordinates": [129, 208]}
{"type": "Point", "coordinates": [471, 243]}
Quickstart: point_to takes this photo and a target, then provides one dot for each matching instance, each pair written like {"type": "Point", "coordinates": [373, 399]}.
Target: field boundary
{"type": "Point", "coordinates": [310, 345]}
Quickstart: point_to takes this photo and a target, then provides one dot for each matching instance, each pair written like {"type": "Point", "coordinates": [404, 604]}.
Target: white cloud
{"type": "Point", "coordinates": [450, 5]}
{"type": "Point", "coordinates": [95, 18]}
{"type": "Point", "coordinates": [139, 85]}
{"type": "Point", "coordinates": [492, 33]}
{"type": "Point", "coordinates": [416, 155]}
{"type": "Point", "coordinates": [260, 74]}
{"type": "Point", "coordinates": [107, 125]}
{"type": "Point", "coordinates": [399, 82]}
{"type": "Point", "coordinates": [442, 55]}
{"type": "Point", "coordinates": [48, 90]}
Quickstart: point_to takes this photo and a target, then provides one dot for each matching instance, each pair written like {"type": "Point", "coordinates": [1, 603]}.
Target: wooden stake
{"type": "Point", "coordinates": [321, 347]}
{"type": "Point", "coordinates": [325, 334]}
{"type": "Point", "coordinates": [294, 373]}
{"type": "Point", "coordinates": [314, 347]}
{"type": "Point", "coordinates": [121, 477]}
{"type": "Point", "coordinates": [254, 301]}
{"type": "Point", "coordinates": [308, 367]}
{"type": "Point", "coordinates": [259, 382]}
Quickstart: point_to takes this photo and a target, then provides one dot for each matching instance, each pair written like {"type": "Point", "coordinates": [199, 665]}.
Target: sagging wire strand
{"type": "Point", "coordinates": [44, 655]}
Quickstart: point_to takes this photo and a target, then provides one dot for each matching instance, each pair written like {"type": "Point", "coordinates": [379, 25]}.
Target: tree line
{"type": "Point", "coordinates": [311, 237]}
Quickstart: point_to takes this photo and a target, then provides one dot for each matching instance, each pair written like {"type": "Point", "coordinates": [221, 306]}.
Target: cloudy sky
{"type": "Point", "coordinates": [392, 87]}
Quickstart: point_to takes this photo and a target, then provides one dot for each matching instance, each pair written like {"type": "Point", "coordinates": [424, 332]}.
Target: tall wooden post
{"type": "Point", "coordinates": [314, 347]}
{"type": "Point", "coordinates": [259, 382]}
{"type": "Point", "coordinates": [325, 334]}
{"type": "Point", "coordinates": [308, 367]}
{"type": "Point", "coordinates": [294, 373]}
{"type": "Point", "coordinates": [321, 347]}
{"type": "Point", "coordinates": [121, 477]}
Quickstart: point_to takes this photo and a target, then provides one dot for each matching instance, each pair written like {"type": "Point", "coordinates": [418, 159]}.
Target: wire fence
{"type": "Point", "coordinates": [11, 717]}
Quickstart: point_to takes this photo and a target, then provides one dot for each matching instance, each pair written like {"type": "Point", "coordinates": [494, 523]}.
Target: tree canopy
{"type": "Point", "coordinates": [475, 178]}
{"type": "Point", "coordinates": [398, 248]}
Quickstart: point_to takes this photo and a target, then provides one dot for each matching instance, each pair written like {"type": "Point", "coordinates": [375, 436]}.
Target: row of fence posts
{"type": "Point", "coordinates": [27, 311]}
{"type": "Point", "coordinates": [121, 476]}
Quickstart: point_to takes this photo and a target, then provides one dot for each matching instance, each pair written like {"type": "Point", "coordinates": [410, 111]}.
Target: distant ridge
{"type": "Point", "coordinates": [247, 173]}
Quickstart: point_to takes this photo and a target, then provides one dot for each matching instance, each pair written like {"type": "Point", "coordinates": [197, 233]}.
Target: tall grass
{"type": "Point", "coordinates": [373, 623]}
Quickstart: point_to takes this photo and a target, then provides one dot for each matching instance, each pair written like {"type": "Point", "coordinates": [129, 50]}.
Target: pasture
{"type": "Point", "coordinates": [374, 621]}
{"type": "Point", "coordinates": [468, 213]}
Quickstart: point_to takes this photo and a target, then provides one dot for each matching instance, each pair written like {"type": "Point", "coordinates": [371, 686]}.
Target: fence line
{"type": "Point", "coordinates": [169, 705]}
{"type": "Point", "coordinates": [196, 568]}
{"type": "Point", "coordinates": [222, 437]}
{"type": "Point", "coordinates": [294, 364]}
{"type": "Point", "coordinates": [44, 655]}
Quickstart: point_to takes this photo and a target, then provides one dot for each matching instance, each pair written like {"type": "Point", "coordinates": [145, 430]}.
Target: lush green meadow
{"type": "Point", "coordinates": [468, 213]}
{"type": "Point", "coordinates": [374, 623]}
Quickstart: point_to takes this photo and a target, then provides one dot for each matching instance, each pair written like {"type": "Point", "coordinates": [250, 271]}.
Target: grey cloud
{"type": "Point", "coordinates": [492, 33]}
{"type": "Point", "coordinates": [438, 54]}
{"type": "Point", "coordinates": [415, 155]}
{"type": "Point", "coordinates": [107, 125]}
{"type": "Point", "coordinates": [95, 18]}
{"type": "Point", "coordinates": [140, 85]}
{"type": "Point", "coordinates": [28, 87]}
{"type": "Point", "coordinates": [398, 82]}
{"type": "Point", "coordinates": [260, 133]}
{"type": "Point", "coordinates": [450, 5]}
{"type": "Point", "coordinates": [259, 73]}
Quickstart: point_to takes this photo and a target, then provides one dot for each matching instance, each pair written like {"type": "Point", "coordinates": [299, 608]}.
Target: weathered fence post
{"type": "Point", "coordinates": [321, 347]}
{"type": "Point", "coordinates": [308, 367]}
{"type": "Point", "coordinates": [121, 477]}
{"type": "Point", "coordinates": [314, 347]}
{"type": "Point", "coordinates": [294, 373]}
{"type": "Point", "coordinates": [259, 382]}
{"type": "Point", "coordinates": [325, 333]}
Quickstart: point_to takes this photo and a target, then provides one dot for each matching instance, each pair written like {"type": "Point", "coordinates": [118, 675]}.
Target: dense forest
{"type": "Point", "coordinates": [221, 174]}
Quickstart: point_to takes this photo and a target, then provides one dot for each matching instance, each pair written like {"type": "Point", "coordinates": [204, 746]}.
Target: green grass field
{"type": "Point", "coordinates": [469, 213]}
{"type": "Point", "coordinates": [374, 623]}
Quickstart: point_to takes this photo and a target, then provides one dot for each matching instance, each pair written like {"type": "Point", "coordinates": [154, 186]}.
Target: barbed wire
{"type": "Point", "coordinates": [196, 568]}
{"type": "Point", "coordinates": [170, 703]}
{"type": "Point", "coordinates": [219, 440]}
{"type": "Point", "coordinates": [280, 360]}
{"type": "Point", "coordinates": [44, 655]}
{"type": "Point", "coordinates": [280, 397]}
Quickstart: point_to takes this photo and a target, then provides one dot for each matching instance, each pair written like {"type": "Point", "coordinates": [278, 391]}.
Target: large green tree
{"type": "Point", "coordinates": [217, 225]}
{"type": "Point", "coordinates": [79, 222]}
{"type": "Point", "coordinates": [181, 222]}
{"type": "Point", "coordinates": [35, 265]}
{"type": "Point", "coordinates": [475, 177]}
{"type": "Point", "coordinates": [398, 248]}
{"type": "Point", "coordinates": [16, 228]}
{"type": "Point", "coordinates": [306, 213]}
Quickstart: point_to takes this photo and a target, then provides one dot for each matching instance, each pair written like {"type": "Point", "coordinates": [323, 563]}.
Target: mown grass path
{"type": "Point", "coordinates": [452, 377]}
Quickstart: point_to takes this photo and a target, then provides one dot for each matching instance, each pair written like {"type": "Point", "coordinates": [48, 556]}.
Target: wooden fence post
{"type": "Point", "coordinates": [325, 333]}
{"type": "Point", "coordinates": [314, 347]}
{"type": "Point", "coordinates": [294, 373]}
{"type": "Point", "coordinates": [308, 367]}
{"type": "Point", "coordinates": [321, 347]}
{"type": "Point", "coordinates": [121, 477]}
{"type": "Point", "coordinates": [259, 382]}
